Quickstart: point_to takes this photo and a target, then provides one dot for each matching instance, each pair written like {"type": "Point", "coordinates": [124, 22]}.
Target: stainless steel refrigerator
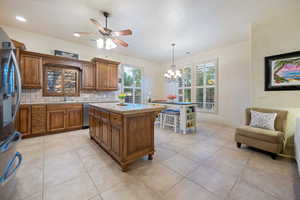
{"type": "Point", "coordinates": [10, 93]}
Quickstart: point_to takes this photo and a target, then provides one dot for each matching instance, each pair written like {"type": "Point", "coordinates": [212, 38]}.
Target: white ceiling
{"type": "Point", "coordinates": [194, 25]}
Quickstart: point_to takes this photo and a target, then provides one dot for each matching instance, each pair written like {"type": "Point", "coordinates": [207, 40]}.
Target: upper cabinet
{"type": "Point", "coordinates": [31, 70]}
{"type": "Point", "coordinates": [60, 76]}
{"type": "Point", "coordinates": [88, 76]}
{"type": "Point", "coordinates": [61, 81]}
{"type": "Point", "coordinates": [106, 74]}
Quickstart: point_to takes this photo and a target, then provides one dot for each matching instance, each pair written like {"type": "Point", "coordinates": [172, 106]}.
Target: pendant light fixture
{"type": "Point", "coordinates": [172, 74]}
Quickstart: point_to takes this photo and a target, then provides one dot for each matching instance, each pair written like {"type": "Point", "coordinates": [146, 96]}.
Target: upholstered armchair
{"type": "Point", "coordinates": [268, 140]}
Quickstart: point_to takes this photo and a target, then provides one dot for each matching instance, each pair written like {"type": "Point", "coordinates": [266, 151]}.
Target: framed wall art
{"type": "Point", "coordinates": [282, 72]}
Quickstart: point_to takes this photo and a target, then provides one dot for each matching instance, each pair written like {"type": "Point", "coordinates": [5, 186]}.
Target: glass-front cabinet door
{"type": "Point", "coordinates": [71, 82]}
{"type": "Point", "coordinates": [54, 77]}
{"type": "Point", "coordinates": [61, 81]}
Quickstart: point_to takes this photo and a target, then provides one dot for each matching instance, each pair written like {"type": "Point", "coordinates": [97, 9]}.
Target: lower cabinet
{"type": "Point", "coordinates": [105, 131]}
{"type": "Point", "coordinates": [98, 129]}
{"type": "Point", "coordinates": [126, 137]}
{"type": "Point", "coordinates": [56, 118]}
{"type": "Point", "coordinates": [106, 135]}
{"type": "Point", "coordinates": [23, 120]}
{"type": "Point", "coordinates": [63, 117]}
{"type": "Point", "coordinates": [39, 119]}
{"type": "Point", "coordinates": [74, 117]}
{"type": "Point", "coordinates": [92, 123]}
{"type": "Point", "coordinates": [116, 133]}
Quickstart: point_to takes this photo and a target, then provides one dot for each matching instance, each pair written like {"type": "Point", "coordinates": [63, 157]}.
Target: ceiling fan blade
{"type": "Point", "coordinates": [122, 32]}
{"type": "Point", "coordinates": [84, 33]}
{"type": "Point", "coordinates": [120, 42]}
{"type": "Point", "coordinates": [101, 28]}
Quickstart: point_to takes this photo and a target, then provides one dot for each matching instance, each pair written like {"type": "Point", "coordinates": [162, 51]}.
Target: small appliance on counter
{"type": "Point", "coordinates": [10, 93]}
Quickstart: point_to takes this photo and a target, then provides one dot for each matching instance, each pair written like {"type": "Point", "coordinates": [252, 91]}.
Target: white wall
{"type": "Point", "coordinates": [46, 44]}
{"type": "Point", "coordinates": [234, 81]}
{"type": "Point", "coordinates": [275, 36]}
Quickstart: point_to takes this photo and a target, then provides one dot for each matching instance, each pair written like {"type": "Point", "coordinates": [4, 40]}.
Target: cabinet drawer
{"type": "Point", "coordinates": [63, 106]}
{"type": "Point", "coordinates": [53, 107]}
{"type": "Point", "coordinates": [116, 119]}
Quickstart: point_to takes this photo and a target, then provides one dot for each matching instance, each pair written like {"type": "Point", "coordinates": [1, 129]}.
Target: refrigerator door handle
{"type": "Point", "coordinates": [16, 137]}
{"type": "Point", "coordinates": [8, 172]}
{"type": "Point", "coordinates": [18, 82]}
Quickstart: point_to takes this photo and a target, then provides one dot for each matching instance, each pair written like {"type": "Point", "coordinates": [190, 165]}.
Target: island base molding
{"type": "Point", "coordinates": [125, 137]}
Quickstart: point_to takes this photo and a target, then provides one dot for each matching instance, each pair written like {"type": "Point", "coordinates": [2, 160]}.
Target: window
{"type": "Point", "coordinates": [185, 85]}
{"type": "Point", "coordinates": [206, 81]}
{"type": "Point", "coordinates": [199, 84]}
{"type": "Point", "coordinates": [132, 84]}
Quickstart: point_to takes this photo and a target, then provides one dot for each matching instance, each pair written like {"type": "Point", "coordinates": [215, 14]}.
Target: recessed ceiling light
{"type": "Point", "coordinates": [21, 19]}
{"type": "Point", "coordinates": [76, 34]}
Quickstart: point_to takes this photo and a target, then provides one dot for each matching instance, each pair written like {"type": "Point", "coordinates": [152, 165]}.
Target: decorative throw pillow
{"type": "Point", "coordinates": [263, 120]}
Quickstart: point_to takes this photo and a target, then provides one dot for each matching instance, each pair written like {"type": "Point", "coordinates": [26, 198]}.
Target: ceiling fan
{"type": "Point", "coordinates": [108, 39]}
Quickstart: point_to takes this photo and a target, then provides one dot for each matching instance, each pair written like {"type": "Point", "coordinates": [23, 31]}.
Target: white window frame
{"type": "Point", "coordinates": [216, 86]}
{"type": "Point", "coordinates": [183, 86]}
{"type": "Point", "coordinates": [194, 86]}
{"type": "Point", "coordinates": [134, 87]}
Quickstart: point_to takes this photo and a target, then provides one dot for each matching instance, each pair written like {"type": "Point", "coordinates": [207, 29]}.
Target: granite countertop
{"type": "Point", "coordinates": [68, 102]}
{"type": "Point", "coordinates": [129, 108]}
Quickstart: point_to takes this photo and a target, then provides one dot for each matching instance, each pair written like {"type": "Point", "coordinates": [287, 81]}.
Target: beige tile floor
{"type": "Point", "coordinates": [201, 166]}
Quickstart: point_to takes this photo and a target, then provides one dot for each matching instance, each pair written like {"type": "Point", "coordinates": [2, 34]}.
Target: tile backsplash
{"type": "Point", "coordinates": [36, 96]}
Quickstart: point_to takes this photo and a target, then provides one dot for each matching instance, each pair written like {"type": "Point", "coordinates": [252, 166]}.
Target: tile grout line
{"type": "Point", "coordinates": [69, 151]}
{"type": "Point", "coordinates": [258, 188]}
{"type": "Point", "coordinates": [151, 189]}
{"type": "Point", "coordinates": [86, 170]}
{"type": "Point", "coordinates": [254, 185]}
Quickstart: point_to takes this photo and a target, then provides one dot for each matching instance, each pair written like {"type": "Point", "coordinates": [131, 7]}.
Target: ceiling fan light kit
{"type": "Point", "coordinates": [108, 38]}
{"type": "Point", "coordinates": [105, 43]}
{"type": "Point", "coordinates": [172, 74]}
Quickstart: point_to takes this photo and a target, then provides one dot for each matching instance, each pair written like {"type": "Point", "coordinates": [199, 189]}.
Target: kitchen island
{"type": "Point", "coordinates": [126, 133]}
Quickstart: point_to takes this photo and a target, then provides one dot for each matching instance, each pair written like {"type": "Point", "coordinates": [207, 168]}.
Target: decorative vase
{"type": "Point", "coordinates": [122, 102]}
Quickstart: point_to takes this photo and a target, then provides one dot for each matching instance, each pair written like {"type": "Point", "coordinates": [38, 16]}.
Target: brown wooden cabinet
{"type": "Point", "coordinates": [126, 137]}
{"type": "Point", "coordinates": [116, 133]}
{"type": "Point", "coordinates": [56, 118]}
{"type": "Point", "coordinates": [74, 117]}
{"type": "Point", "coordinates": [38, 119]}
{"type": "Point", "coordinates": [116, 121]}
{"type": "Point", "coordinates": [31, 70]}
{"type": "Point", "coordinates": [61, 81]}
{"type": "Point", "coordinates": [92, 123]}
{"type": "Point", "coordinates": [106, 74]}
{"type": "Point", "coordinates": [63, 117]}
{"type": "Point", "coordinates": [23, 120]}
{"type": "Point", "coordinates": [113, 76]}
{"type": "Point", "coordinates": [105, 128]}
{"type": "Point", "coordinates": [88, 76]}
